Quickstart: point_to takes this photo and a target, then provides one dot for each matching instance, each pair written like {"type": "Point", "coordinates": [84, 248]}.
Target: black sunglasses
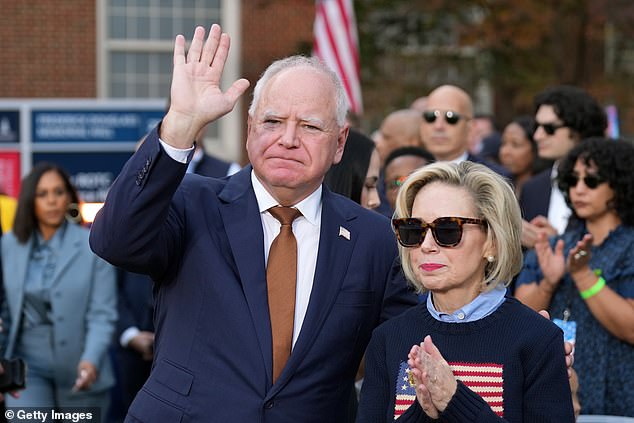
{"type": "Point", "coordinates": [549, 128]}
{"type": "Point", "coordinates": [451, 117]}
{"type": "Point", "coordinates": [447, 231]}
{"type": "Point", "coordinates": [590, 180]}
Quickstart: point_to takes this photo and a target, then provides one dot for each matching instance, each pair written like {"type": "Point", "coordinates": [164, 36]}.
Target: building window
{"type": "Point", "coordinates": [135, 48]}
{"type": "Point", "coordinates": [139, 38]}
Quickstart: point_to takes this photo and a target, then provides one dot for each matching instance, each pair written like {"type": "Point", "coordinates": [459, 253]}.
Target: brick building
{"type": "Point", "coordinates": [123, 48]}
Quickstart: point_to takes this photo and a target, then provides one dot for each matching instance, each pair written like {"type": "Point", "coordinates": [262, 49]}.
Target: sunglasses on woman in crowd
{"type": "Point", "coordinates": [590, 180]}
{"type": "Point", "coordinates": [447, 231]}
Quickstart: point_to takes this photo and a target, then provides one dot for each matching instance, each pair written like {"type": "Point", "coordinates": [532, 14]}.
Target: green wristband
{"type": "Point", "coordinates": [594, 289]}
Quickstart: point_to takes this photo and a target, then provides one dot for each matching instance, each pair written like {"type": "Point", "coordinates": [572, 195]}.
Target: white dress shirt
{"type": "Point", "coordinates": [306, 229]}
{"type": "Point", "coordinates": [464, 156]}
{"type": "Point", "coordinates": [558, 211]}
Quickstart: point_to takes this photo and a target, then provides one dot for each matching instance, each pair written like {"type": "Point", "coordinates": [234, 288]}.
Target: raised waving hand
{"type": "Point", "coordinates": [196, 95]}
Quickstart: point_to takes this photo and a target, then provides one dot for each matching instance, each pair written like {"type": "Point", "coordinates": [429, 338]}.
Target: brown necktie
{"type": "Point", "coordinates": [281, 274]}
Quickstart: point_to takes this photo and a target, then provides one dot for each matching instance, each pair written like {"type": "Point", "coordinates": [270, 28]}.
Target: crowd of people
{"type": "Point", "coordinates": [410, 264]}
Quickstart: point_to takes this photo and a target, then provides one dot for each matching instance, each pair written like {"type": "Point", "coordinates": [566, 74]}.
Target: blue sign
{"type": "Point", "coordinates": [91, 173]}
{"type": "Point", "coordinates": [9, 126]}
{"type": "Point", "coordinates": [93, 126]}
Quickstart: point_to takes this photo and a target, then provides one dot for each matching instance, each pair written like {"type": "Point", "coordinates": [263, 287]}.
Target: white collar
{"type": "Point", "coordinates": [309, 206]}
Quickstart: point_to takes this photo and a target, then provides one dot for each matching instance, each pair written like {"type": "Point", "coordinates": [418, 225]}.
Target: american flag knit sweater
{"type": "Point", "coordinates": [510, 367]}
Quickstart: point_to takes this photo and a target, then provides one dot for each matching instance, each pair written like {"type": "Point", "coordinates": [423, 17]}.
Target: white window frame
{"type": "Point", "coordinates": [228, 145]}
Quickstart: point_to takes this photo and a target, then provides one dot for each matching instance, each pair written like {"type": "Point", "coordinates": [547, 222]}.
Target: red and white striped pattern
{"type": "Point", "coordinates": [336, 43]}
{"type": "Point", "coordinates": [485, 379]}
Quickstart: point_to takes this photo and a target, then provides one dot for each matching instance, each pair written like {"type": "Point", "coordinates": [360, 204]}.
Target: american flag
{"type": "Point", "coordinates": [336, 43]}
{"type": "Point", "coordinates": [485, 379]}
{"type": "Point", "coordinates": [405, 391]}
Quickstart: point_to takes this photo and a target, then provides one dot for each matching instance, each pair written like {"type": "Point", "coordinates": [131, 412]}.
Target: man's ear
{"type": "Point", "coordinates": [249, 123]}
{"type": "Point", "coordinates": [341, 143]}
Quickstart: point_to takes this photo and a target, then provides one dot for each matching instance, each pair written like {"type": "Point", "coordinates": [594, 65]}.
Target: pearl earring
{"type": "Point", "coordinates": [490, 259]}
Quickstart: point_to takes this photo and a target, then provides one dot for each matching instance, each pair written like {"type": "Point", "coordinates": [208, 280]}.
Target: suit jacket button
{"type": "Point", "coordinates": [269, 404]}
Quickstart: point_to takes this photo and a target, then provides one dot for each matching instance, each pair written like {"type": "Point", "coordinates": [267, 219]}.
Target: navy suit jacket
{"type": "Point", "coordinates": [213, 354]}
{"type": "Point", "coordinates": [535, 195]}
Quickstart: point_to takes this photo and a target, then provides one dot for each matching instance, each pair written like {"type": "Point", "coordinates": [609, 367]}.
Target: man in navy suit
{"type": "Point", "coordinates": [564, 115]}
{"type": "Point", "coordinates": [205, 164]}
{"type": "Point", "coordinates": [213, 345]}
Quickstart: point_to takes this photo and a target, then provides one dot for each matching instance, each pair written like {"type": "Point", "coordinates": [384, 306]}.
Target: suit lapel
{"type": "Point", "coordinates": [335, 249]}
{"type": "Point", "coordinates": [71, 248]}
{"type": "Point", "coordinates": [242, 222]}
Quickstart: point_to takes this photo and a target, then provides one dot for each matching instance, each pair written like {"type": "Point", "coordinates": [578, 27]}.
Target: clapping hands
{"type": "Point", "coordinates": [434, 381]}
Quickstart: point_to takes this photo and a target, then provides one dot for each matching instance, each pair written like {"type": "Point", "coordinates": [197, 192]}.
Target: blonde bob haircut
{"type": "Point", "coordinates": [494, 201]}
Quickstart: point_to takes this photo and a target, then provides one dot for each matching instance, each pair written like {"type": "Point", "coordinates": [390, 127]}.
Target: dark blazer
{"type": "Point", "coordinates": [135, 302]}
{"type": "Point", "coordinates": [535, 195]}
{"type": "Point", "coordinates": [212, 166]}
{"type": "Point", "coordinates": [136, 305]}
{"type": "Point", "coordinates": [213, 351]}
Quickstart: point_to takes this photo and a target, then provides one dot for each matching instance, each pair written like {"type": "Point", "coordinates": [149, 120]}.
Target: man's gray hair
{"type": "Point", "coordinates": [313, 63]}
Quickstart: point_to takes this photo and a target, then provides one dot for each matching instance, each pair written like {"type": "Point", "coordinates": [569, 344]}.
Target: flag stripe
{"type": "Point", "coordinates": [485, 379]}
{"type": "Point", "coordinates": [336, 44]}
{"type": "Point", "coordinates": [330, 23]}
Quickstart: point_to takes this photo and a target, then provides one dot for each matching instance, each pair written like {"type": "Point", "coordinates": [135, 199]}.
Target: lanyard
{"type": "Point", "coordinates": [569, 293]}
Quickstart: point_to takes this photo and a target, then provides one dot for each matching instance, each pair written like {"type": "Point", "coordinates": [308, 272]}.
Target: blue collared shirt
{"type": "Point", "coordinates": [39, 277]}
{"type": "Point", "coordinates": [483, 305]}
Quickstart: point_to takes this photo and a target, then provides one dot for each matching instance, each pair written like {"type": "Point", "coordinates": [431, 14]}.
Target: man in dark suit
{"type": "Point", "coordinates": [564, 115]}
{"type": "Point", "coordinates": [446, 126]}
{"type": "Point", "coordinates": [213, 357]}
{"type": "Point", "coordinates": [203, 163]}
{"type": "Point", "coordinates": [207, 165]}
{"type": "Point", "coordinates": [134, 341]}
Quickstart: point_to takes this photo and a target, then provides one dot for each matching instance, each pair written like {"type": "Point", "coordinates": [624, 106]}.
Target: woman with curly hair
{"type": "Point", "coordinates": [585, 277]}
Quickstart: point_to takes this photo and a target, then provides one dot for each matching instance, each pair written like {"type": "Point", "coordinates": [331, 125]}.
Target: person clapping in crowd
{"type": "Point", "coordinates": [459, 227]}
{"type": "Point", "coordinates": [585, 277]}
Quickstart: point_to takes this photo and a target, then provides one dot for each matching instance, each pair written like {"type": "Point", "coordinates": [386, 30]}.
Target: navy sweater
{"type": "Point", "coordinates": [513, 358]}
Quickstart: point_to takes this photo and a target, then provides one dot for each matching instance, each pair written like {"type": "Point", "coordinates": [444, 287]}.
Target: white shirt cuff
{"type": "Point", "coordinates": [127, 336]}
{"type": "Point", "coordinates": [178, 154]}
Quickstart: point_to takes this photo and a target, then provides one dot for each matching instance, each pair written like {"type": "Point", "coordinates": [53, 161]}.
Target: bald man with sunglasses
{"type": "Point", "coordinates": [446, 124]}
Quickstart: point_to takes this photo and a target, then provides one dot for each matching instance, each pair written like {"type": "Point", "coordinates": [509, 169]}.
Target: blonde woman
{"type": "Point", "coordinates": [469, 353]}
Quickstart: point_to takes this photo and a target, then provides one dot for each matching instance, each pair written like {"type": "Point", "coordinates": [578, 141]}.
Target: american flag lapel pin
{"type": "Point", "coordinates": [344, 233]}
